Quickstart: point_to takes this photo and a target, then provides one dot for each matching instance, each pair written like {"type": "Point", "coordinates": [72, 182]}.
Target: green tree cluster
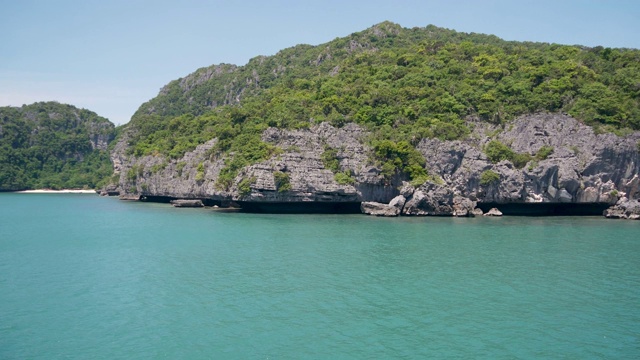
{"type": "Point", "coordinates": [282, 181]}
{"type": "Point", "coordinates": [489, 177]}
{"type": "Point", "coordinates": [497, 151]}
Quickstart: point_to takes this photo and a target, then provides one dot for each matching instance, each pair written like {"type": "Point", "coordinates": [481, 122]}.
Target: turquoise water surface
{"type": "Point", "coordinates": [84, 277]}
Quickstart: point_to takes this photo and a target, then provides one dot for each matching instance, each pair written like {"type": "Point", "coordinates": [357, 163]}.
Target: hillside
{"type": "Point", "coordinates": [407, 83]}
{"type": "Point", "coordinates": [53, 145]}
{"type": "Point", "coordinates": [384, 93]}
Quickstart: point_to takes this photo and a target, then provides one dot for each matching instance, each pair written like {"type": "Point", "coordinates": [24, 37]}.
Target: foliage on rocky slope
{"type": "Point", "coordinates": [402, 84]}
{"type": "Point", "coordinates": [53, 145]}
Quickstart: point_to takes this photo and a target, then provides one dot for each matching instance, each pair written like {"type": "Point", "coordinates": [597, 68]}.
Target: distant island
{"type": "Point", "coordinates": [49, 145]}
{"type": "Point", "coordinates": [389, 121]}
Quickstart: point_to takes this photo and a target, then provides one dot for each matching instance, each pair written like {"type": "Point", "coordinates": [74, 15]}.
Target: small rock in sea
{"type": "Point", "coordinates": [379, 209]}
{"type": "Point", "coordinates": [187, 203]}
{"type": "Point", "coordinates": [493, 212]}
{"type": "Point", "coordinates": [476, 212]}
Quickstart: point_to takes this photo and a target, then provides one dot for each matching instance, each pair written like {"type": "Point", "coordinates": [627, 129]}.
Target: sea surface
{"type": "Point", "coordinates": [84, 277]}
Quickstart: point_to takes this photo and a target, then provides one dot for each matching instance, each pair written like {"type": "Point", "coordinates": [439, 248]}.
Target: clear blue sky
{"type": "Point", "coordinates": [110, 56]}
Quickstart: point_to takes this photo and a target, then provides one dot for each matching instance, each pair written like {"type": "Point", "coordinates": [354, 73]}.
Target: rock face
{"type": "Point", "coordinates": [583, 168]}
{"type": "Point", "coordinates": [301, 161]}
{"type": "Point", "coordinates": [430, 199]}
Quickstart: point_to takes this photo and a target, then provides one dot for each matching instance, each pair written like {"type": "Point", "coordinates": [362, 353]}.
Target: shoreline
{"type": "Point", "coordinates": [63, 191]}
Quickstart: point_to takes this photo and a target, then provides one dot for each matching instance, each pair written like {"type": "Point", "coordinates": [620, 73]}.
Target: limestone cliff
{"type": "Point", "coordinates": [582, 168]}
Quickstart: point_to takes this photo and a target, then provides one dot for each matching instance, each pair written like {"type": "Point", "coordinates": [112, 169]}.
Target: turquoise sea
{"type": "Point", "coordinates": [84, 277]}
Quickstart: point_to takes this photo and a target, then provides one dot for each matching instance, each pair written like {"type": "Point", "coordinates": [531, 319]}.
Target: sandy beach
{"type": "Point", "coordinates": [64, 191]}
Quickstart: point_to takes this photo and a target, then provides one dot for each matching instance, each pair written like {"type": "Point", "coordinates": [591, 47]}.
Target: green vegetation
{"type": "Point", "coordinates": [281, 180]}
{"type": "Point", "coordinates": [497, 151]}
{"type": "Point", "coordinates": [330, 159]}
{"type": "Point", "coordinates": [246, 149]}
{"type": "Point", "coordinates": [344, 178]}
{"type": "Point", "coordinates": [489, 177]}
{"type": "Point", "coordinates": [400, 157]}
{"type": "Point", "coordinates": [244, 186]}
{"type": "Point", "coordinates": [544, 152]}
{"type": "Point", "coordinates": [179, 167]}
{"type": "Point", "coordinates": [48, 145]}
{"type": "Point", "coordinates": [200, 172]}
{"type": "Point", "coordinates": [402, 84]}
{"type": "Point", "coordinates": [132, 174]}
{"type": "Point", "coordinates": [158, 167]}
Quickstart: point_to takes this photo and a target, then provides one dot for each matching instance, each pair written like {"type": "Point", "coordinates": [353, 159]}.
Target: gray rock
{"type": "Point", "coordinates": [476, 212]}
{"type": "Point", "coordinates": [187, 203]}
{"type": "Point", "coordinates": [614, 213]}
{"type": "Point", "coordinates": [398, 202]}
{"type": "Point", "coordinates": [624, 209]}
{"type": "Point", "coordinates": [129, 197]}
{"type": "Point", "coordinates": [407, 189]}
{"type": "Point", "coordinates": [430, 199]}
{"type": "Point", "coordinates": [493, 212]}
{"type": "Point", "coordinates": [379, 209]}
{"type": "Point", "coordinates": [463, 206]}
{"type": "Point", "coordinates": [564, 196]}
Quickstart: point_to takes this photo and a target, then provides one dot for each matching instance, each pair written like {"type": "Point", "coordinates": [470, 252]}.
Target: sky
{"type": "Point", "coordinates": [110, 56]}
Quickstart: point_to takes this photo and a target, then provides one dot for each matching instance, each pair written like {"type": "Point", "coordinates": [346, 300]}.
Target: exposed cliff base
{"type": "Point", "coordinates": [379, 209]}
{"type": "Point", "coordinates": [547, 209]}
{"type": "Point", "coordinates": [300, 207]}
{"type": "Point", "coordinates": [580, 173]}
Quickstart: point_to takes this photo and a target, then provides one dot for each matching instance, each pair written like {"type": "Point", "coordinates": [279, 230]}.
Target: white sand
{"type": "Point", "coordinates": [65, 191]}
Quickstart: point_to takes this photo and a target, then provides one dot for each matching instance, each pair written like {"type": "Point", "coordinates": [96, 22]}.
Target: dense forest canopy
{"type": "Point", "coordinates": [53, 145]}
{"type": "Point", "coordinates": [402, 84]}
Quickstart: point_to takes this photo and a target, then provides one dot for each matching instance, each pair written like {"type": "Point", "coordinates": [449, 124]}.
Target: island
{"type": "Point", "coordinates": [395, 121]}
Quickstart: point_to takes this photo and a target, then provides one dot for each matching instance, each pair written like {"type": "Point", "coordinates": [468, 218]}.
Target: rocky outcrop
{"type": "Point", "coordinates": [195, 174]}
{"type": "Point", "coordinates": [379, 209]}
{"type": "Point", "coordinates": [493, 212]}
{"type": "Point", "coordinates": [584, 167]}
{"type": "Point", "coordinates": [430, 199]}
{"type": "Point", "coordinates": [624, 209]}
{"type": "Point", "coordinates": [186, 203]}
{"type": "Point", "coordinates": [129, 197]}
{"type": "Point", "coordinates": [437, 199]}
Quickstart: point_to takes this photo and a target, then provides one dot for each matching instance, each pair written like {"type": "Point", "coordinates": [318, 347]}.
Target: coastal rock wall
{"type": "Point", "coordinates": [580, 167]}
{"type": "Point", "coordinates": [583, 167]}
{"type": "Point", "coordinates": [159, 176]}
{"type": "Point", "coordinates": [300, 161]}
